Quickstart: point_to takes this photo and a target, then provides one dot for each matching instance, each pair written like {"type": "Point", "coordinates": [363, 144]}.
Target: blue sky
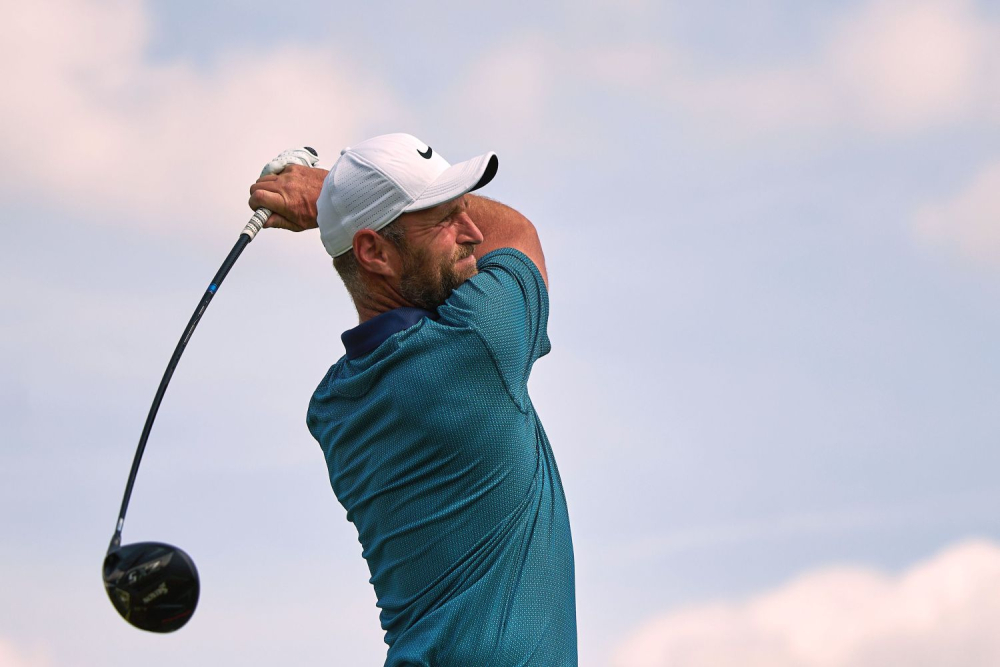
{"type": "Point", "coordinates": [773, 239]}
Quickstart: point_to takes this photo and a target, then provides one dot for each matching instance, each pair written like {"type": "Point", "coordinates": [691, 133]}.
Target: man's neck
{"type": "Point", "coordinates": [377, 304]}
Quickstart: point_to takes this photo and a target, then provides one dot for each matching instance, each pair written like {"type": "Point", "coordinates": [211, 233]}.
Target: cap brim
{"type": "Point", "coordinates": [456, 181]}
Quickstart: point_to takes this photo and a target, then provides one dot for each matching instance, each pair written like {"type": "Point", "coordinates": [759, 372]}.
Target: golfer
{"type": "Point", "coordinates": [432, 443]}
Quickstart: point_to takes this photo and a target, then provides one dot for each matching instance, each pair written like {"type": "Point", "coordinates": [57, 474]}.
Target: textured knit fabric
{"type": "Point", "coordinates": [435, 451]}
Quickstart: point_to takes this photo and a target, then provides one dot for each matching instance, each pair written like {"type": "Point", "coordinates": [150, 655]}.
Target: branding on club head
{"type": "Point", "coordinates": [427, 155]}
{"type": "Point", "coordinates": [160, 590]}
{"type": "Point", "coordinates": [140, 572]}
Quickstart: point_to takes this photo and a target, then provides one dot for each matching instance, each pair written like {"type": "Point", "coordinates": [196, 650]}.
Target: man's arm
{"type": "Point", "coordinates": [503, 227]}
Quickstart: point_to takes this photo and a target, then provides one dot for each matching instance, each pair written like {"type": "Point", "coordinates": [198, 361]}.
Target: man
{"type": "Point", "coordinates": [431, 440]}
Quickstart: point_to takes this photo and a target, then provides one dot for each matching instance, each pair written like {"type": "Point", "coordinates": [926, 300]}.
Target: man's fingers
{"type": "Point", "coordinates": [264, 185]}
{"type": "Point", "coordinates": [277, 222]}
{"type": "Point", "coordinates": [259, 197]}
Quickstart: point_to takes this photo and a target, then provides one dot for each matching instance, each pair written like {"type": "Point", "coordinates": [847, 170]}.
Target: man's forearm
{"type": "Point", "coordinates": [503, 227]}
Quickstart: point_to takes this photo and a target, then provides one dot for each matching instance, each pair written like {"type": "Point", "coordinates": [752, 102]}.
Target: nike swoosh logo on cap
{"type": "Point", "coordinates": [427, 155]}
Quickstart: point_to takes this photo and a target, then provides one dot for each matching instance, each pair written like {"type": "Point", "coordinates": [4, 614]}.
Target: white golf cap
{"type": "Point", "coordinates": [378, 180]}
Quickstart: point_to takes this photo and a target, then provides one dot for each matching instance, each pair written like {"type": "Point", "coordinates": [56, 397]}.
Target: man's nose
{"type": "Point", "coordinates": [469, 232]}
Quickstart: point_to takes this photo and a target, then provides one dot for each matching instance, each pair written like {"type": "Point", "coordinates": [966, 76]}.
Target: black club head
{"type": "Point", "coordinates": [154, 586]}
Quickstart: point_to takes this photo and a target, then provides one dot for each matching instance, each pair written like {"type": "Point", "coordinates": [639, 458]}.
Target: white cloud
{"type": "Point", "coordinates": [12, 656]}
{"type": "Point", "coordinates": [967, 224]}
{"type": "Point", "coordinates": [886, 66]}
{"type": "Point", "coordinates": [514, 96]}
{"type": "Point", "coordinates": [889, 67]}
{"type": "Point", "coordinates": [506, 92]}
{"type": "Point", "coordinates": [904, 64]}
{"type": "Point", "coordinates": [943, 611]}
{"type": "Point", "coordinates": [92, 124]}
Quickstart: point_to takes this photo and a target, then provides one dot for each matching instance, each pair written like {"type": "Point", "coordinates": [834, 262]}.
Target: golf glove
{"type": "Point", "coordinates": [304, 156]}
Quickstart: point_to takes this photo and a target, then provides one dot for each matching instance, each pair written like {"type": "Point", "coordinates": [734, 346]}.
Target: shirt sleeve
{"type": "Point", "coordinates": [507, 303]}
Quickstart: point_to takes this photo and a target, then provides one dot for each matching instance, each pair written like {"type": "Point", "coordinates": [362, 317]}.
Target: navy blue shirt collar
{"type": "Point", "coordinates": [368, 335]}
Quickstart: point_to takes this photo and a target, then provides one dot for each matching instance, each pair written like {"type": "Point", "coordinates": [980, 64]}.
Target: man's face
{"type": "Point", "coordinates": [437, 253]}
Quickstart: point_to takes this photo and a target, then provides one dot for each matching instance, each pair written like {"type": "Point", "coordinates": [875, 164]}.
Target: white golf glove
{"type": "Point", "coordinates": [304, 156]}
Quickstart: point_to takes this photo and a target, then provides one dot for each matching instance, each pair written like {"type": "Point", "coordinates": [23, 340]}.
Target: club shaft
{"type": "Point", "coordinates": [244, 239]}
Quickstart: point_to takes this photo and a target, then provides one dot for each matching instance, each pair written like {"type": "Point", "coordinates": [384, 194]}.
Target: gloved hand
{"type": "Point", "coordinates": [304, 156]}
{"type": "Point", "coordinates": [289, 186]}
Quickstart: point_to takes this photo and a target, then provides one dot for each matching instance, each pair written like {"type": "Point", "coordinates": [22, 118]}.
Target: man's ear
{"type": "Point", "coordinates": [376, 255]}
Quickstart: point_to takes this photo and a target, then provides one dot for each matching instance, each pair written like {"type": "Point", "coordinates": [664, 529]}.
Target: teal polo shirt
{"type": "Point", "coordinates": [436, 452]}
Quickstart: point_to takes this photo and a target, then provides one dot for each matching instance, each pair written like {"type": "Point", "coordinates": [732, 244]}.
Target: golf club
{"type": "Point", "coordinates": [155, 586]}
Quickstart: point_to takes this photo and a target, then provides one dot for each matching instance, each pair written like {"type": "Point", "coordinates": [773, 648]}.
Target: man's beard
{"type": "Point", "coordinates": [427, 285]}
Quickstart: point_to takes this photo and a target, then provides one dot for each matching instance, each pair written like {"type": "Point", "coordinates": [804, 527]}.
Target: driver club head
{"type": "Point", "coordinates": [154, 586]}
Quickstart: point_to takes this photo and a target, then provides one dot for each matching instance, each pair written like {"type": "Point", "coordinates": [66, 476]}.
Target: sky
{"type": "Point", "coordinates": [772, 233]}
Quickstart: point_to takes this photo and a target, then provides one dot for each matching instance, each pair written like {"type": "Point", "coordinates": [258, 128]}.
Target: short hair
{"type": "Point", "coordinates": [347, 265]}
